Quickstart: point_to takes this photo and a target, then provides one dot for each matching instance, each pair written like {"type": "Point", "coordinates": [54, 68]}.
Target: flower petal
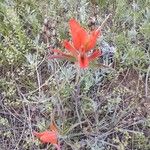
{"type": "Point", "coordinates": [49, 137]}
{"type": "Point", "coordinates": [38, 135]}
{"type": "Point", "coordinates": [69, 47]}
{"type": "Point", "coordinates": [92, 39]}
{"type": "Point", "coordinates": [83, 61]}
{"type": "Point", "coordinates": [95, 54]}
{"type": "Point", "coordinates": [79, 34]}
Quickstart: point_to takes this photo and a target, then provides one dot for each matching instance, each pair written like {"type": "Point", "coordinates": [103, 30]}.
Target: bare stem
{"type": "Point", "coordinates": [102, 25]}
{"type": "Point", "coordinates": [146, 81]}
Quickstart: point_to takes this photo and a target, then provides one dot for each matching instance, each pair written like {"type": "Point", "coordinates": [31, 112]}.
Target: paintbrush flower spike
{"type": "Point", "coordinates": [49, 136]}
{"type": "Point", "coordinates": [82, 43]}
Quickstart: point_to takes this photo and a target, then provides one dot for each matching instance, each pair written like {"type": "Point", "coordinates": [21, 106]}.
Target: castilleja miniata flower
{"type": "Point", "coordinates": [49, 136]}
{"type": "Point", "coordinates": [80, 46]}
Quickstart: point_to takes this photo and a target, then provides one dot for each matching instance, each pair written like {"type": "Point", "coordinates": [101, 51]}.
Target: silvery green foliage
{"type": "Point", "coordinates": [65, 3]}
{"type": "Point", "coordinates": [132, 33]}
{"type": "Point", "coordinates": [107, 48]}
{"type": "Point", "coordinates": [135, 6]}
{"type": "Point", "coordinates": [66, 72]}
{"type": "Point", "coordinates": [108, 52]}
{"type": "Point", "coordinates": [76, 8]}
{"type": "Point", "coordinates": [83, 10]}
{"type": "Point", "coordinates": [31, 59]}
{"type": "Point", "coordinates": [95, 144]}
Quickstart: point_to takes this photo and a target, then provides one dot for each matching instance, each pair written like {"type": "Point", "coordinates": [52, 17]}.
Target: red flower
{"type": "Point", "coordinates": [49, 136]}
{"type": "Point", "coordinates": [82, 43]}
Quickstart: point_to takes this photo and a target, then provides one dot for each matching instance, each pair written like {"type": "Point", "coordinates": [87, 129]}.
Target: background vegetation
{"type": "Point", "coordinates": [108, 109]}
